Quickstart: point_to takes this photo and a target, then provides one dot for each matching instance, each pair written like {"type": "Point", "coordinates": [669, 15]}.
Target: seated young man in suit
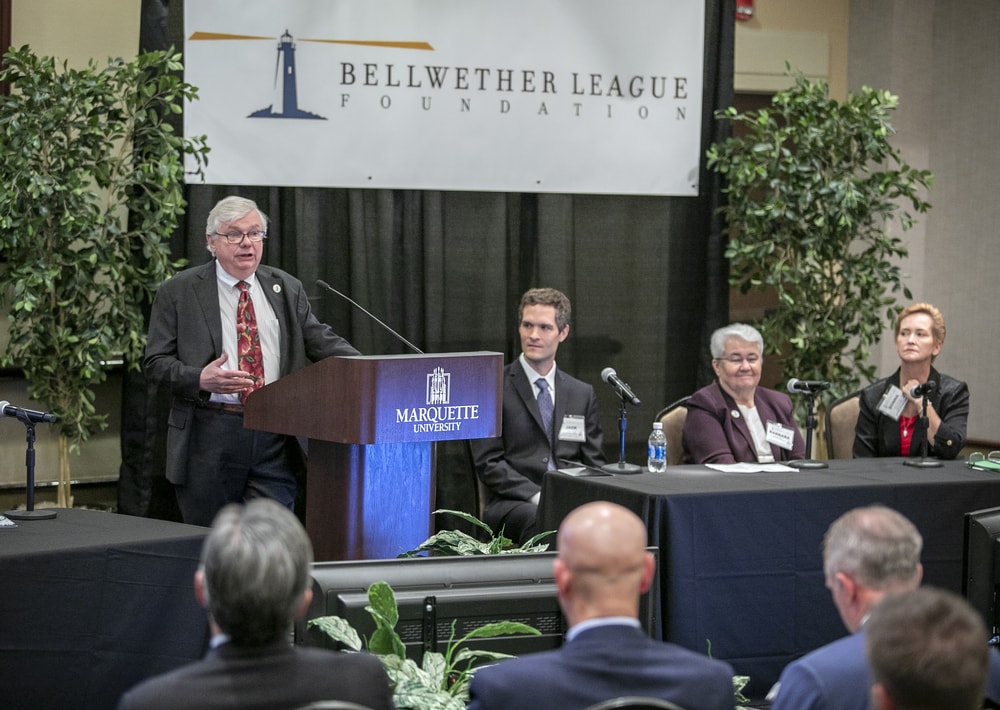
{"type": "Point", "coordinates": [548, 416]}
{"type": "Point", "coordinates": [601, 571]}
{"type": "Point", "coordinates": [254, 581]}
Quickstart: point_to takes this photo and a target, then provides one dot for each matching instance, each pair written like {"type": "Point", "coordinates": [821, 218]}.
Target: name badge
{"type": "Point", "coordinates": [892, 402]}
{"type": "Point", "coordinates": [573, 428]}
{"type": "Point", "coordinates": [780, 435]}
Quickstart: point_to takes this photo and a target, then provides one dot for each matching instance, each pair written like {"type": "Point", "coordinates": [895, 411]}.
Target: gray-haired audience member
{"type": "Point", "coordinates": [734, 420]}
{"type": "Point", "coordinates": [869, 554]}
{"type": "Point", "coordinates": [927, 650]}
{"type": "Point", "coordinates": [254, 582]}
{"type": "Point", "coordinates": [601, 571]}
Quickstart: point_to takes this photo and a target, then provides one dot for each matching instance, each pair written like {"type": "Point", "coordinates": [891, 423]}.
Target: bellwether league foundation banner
{"type": "Point", "coordinates": [574, 96]}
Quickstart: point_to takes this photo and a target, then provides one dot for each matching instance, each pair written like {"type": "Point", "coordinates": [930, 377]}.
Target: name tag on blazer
{"type": "Point", "coordinates": [780, 435]}
{"type": "Point", "coordinates": [573, 428]}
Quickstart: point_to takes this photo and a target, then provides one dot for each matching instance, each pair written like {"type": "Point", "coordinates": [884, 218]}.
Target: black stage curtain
{"type": "Point", "coordinates": [645, 275]}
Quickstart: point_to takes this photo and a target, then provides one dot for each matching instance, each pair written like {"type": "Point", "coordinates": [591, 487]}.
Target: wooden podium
{"type": "Point", "coordinates": [371, 422]}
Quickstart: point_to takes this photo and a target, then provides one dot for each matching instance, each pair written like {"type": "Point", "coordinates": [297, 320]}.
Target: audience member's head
{"type": "Point", "coordinates": [927, 650]}
{"type": "Point", "coordinates": [868, 553]}
{"type": "Point", "coordinates": [603, 566]}
{"type": "Point", "coordinates": [254, 574]}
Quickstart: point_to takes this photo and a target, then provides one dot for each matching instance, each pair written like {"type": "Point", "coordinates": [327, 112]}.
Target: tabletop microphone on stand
{"type": "Point", "coordinates": [809, 388]}
{"type": "Point", "coordinates": [328, 287]}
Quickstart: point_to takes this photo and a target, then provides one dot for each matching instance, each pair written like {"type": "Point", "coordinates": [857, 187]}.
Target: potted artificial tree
{"type": "Point", "coordinates": [814, 191]}
{"type": "Point", "coordinates": [91, 181]}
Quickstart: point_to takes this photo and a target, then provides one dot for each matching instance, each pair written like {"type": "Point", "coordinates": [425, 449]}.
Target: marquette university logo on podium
{"type": "Point", "coordinates": [437, 415]}
{"type": "Point", "coordinates": [438, 386]}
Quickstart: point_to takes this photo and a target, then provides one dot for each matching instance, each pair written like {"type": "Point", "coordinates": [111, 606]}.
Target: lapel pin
{"type": "Point", "coordinates": [276, 288]}
{"type": "Point", "coordinates": [735, 413]}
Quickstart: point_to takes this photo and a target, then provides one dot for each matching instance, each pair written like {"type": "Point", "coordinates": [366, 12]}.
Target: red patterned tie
{"type": "Point", "coordinates": [250, 355]}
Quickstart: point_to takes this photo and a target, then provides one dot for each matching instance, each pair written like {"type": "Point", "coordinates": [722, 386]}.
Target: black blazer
{"type": "Point", "coordinates": [511, 466]}
{"type": "Point", "coordinates": [878, 435]}
{"type": "Point", "coordinates": [269, 677]}
{"type": "Point", "coordinates": [185, 334]}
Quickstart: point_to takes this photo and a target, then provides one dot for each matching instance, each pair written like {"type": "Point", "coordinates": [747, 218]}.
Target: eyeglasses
{"type": "Point", "coordinates": [237, 237]}
{"type": "Point", "coordinates": [737, 359]}
{"type": "Point", "coordinates": [989, 462]}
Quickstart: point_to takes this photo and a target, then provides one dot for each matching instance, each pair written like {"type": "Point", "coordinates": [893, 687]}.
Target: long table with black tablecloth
{"type": "Point", "coordinates": [93, 602]}
{"type": "Point", "coordinates": [740, 553]}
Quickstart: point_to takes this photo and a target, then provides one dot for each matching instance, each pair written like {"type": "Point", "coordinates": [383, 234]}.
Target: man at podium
{"type": "Point", "coordinates": [217, 332]}
{"type": "Point", "coordinates": [548, 416]}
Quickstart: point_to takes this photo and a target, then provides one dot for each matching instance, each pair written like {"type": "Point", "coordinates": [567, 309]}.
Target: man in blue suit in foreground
{"type": "Point", "coordinates": [869, 554]}
{"type": "Point", "coordinates": [602, 569]}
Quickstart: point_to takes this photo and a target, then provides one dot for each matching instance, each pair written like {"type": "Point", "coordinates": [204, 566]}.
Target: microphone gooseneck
{"type": "Point", "coordinates": [328, 287]}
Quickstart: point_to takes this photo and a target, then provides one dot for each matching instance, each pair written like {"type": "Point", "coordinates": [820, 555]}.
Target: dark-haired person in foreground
{"type": "Point", "coordinates": [254, 582]}
{"type": "Point", "coordinates": [889, 418]}
{"type": "Point", "coordinates": [601, 570]}
{"type": "Point", "coordinates": [547, 416]}
{"type": "Point", "coordinates": [869, 554]}
{"type": "Point", "coordinates": [927, 650]}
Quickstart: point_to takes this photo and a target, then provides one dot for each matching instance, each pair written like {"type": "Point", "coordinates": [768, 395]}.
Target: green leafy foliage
{"type": "Point", "coordinates": [441, 681]}
{"type": "Point", "coordinates": [814, 191]}
{"type": "Point", "coordinates": [90, 192]}
{"type": "Point", "coordinates": [456, 542]}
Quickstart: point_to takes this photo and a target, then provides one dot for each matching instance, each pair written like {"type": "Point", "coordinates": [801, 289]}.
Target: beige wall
{"type": "Point", "coordinates": [810, 34]}
{"type": "Point", "coordinates": [75, 32]}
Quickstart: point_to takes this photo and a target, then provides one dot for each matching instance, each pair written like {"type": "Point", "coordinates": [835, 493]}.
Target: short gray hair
{"type": "Point", "coordinates": [879, 547]}
{"type": "Point", "coordinates": [717, 345]}
{"type": "Point", "coordinates": [230, 209]}
{"type": "Point", "coordinates": [256, 563]}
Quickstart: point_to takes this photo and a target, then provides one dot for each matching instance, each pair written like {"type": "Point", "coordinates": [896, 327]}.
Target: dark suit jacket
{"type": "Point", "coordinates": [185, 334]}
{"type": "Point", "coordinates": [878, 435]}
{"type": "Point", "coordinates": [836, 677]}
{"type": "Point", "coordinates": [269, 678]}
{"type": "Point", "coordinates": [603, 663]}
{"type": "Point", "coordinates": [713, 435]}
{"type": "Point", "coordinates": [511, 466]}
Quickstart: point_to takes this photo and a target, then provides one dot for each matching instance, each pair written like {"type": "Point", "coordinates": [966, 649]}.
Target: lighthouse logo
{"type": "Point", "coordinates": [287, 105]}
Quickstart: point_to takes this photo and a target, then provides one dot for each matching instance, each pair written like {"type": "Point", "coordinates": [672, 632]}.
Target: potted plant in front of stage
{"type": "Point", "coordinates": [91, 178]}
{"type": "Point", "coordinates": [441, 681]}
{"type": "Point", "coordinates": [815, 191]}
{"type": "Point", "coordinates": [457, 543]}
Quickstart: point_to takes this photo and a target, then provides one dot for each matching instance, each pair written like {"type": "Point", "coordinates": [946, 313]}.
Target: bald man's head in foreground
{"type": "Point", "coordinates": [603, 566]}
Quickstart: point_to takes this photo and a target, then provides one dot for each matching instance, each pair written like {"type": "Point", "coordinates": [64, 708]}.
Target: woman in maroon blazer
{"type": "Point", "coordinates": [734, 419]}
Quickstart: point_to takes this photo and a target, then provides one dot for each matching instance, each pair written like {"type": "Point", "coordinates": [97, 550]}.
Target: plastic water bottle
{"type": "Point", "coordinates": [657, 449]}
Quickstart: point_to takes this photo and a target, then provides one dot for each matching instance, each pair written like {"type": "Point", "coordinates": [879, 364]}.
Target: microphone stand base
{"type": "Point", "coordinates": [922, 463]}
{"type": "Point", "coordinates": [621, 467]}
{"type": "Point", "coordinates": [44, 514]}
{"type": "Point", "coordinates": [808, 463]}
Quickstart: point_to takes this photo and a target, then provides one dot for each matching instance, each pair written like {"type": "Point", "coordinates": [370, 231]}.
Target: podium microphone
{"type": "Point", "coordinates": [361, 308]}
{"type": "Point", "coordinates": [25, 415]}
{"type": "Point", "coordinates": [925, 388]}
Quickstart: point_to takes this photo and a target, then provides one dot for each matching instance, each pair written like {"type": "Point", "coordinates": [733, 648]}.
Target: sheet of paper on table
{"type": "Point", "coordinates": [750, 467]}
